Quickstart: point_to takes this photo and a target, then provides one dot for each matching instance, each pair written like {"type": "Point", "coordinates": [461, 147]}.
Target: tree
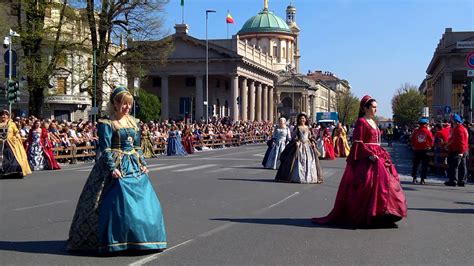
{"type": "Point", "coordinates": [43, 44]}
{"type": "Point", "coordinates": [109, 21]}
{"type": "Point", "coordinates": [407, 105]}
{"type": "Point", "coordinates": [347, 106]}
{"type": "Point", "coordinates": [149, 104]}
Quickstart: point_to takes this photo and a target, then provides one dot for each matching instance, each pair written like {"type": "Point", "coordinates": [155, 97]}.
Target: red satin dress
{"type": "Point", "coordinates": [328, 146]}
{"type": "Point", "coordinates": [369, 191]}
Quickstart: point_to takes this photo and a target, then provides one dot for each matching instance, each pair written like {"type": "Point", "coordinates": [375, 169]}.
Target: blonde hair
{"type": "Point", "coordinates": [123, 97]}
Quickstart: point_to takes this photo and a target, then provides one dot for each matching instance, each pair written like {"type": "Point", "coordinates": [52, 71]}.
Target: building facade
{"type": "Point", "coordinates": [252, 76]}
{"type": "Point", "coordinates": [446, 74]}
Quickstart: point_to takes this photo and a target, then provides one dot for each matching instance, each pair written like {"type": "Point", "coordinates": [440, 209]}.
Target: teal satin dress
{"type": "Point", "coordinates": [118, 214]}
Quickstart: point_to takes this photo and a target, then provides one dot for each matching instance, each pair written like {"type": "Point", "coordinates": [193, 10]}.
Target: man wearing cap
{"type": "Point", "coordinates": [457, 150]}
{"type": "Point", "coordinates": [421, 141]}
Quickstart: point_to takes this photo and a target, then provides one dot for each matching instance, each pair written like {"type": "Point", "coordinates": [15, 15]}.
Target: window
{"type": "Point", "coordinates": [61, 86]}
{"type": "Point", "coordinates": [283, 51]}
{"type": "Point", "coordinates": [156, 82]}
{"type": "Point", "coordinates": [275, 51]}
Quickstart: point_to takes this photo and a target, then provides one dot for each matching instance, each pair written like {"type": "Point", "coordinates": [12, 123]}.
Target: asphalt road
{"type": "Point", "coordinates": [222, 208]}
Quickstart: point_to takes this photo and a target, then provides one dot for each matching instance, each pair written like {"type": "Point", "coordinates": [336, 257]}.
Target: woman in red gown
{"type": "Point", "coordinates": [369, 194]}
{"type": "Point", "coordinates": [328, 145]}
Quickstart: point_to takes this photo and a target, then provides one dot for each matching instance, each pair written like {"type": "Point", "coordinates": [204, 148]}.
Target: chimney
{"type": "Point", "coordinates": [181, 28]}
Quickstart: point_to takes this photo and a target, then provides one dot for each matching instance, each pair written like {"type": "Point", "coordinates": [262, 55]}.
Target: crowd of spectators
{"type": "Point", "coordinates": [66, 134]}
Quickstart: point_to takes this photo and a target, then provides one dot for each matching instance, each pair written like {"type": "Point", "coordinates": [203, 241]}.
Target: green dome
{"type": "Point", "coordinates": [265, 21]}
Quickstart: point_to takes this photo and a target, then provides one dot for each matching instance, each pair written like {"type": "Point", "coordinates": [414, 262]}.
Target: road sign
{"type": "Point", "coordinates": [13, 71]}
{"type": "Point", "coordinates": [6, 57]}
{"type": "Point", "coordinates": [470, 60]}
{"type": "Point", "coordinates": [447, 109]}
{"type": "Point", "coordinates": [465, 45]}
{"type": "Point", "coordinates": [470, 72]}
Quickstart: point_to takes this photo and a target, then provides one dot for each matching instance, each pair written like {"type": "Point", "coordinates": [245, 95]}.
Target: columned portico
{"type": "Point", "coordinates": [259, 102]}
{"type": "Point", "coordinates": [164, 97]}
{"type": "Point", "coordinates": [252, 100]}
{"type": "Point", "coordinates": [265, 102]}
{"type": "Point", "coordinates": [234, 93]}
{"type": "Point", "coordinates": [244, 101]}
{"type": "Point", "coordinates": [199, 98]}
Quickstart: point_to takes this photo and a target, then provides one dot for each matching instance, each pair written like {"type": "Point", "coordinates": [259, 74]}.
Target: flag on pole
{"type": "Point", "coordinates": [229, 19]}
{"type": "Point", "coordinates": [182, 2]}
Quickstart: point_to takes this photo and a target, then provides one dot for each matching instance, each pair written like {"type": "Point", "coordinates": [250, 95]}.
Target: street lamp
{"type": "Point", "coordinates": [8, 42]}
{"type": "Point", "coordinates": [206, 103]}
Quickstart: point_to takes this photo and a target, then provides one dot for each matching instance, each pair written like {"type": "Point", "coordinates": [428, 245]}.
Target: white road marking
{"type": "Point", "coordinates": [276, 204]}
{"type": "Point", "coordinates": [226, 168]}
{"type": "Point", "coordinates": [41, 205]}
{"type": "Point", "coordinates": [167, 167]}
{"type": "Point", "coordinates": [217, 229]}
{"type": "Point", "coordinates": [195, 168]}
{"type": "Point", "coordinates": [154, 256]}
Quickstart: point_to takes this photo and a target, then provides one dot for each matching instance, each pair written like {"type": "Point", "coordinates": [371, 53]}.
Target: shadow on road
{"type": "Point", "coordinates": [464, 203]}
{"type": "Point", "coordinates": [58, 247]}
{"type": "Point", "coordinates": [456, 211]}
{"type": "Point", "coordinates": [248, 179]}
{"type": "Point", "coordinates": [275, 221]}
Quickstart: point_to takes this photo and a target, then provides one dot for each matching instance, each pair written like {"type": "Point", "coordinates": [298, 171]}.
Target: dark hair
{"type": "Point", "coordinates": [366, 105]}
{"type": "Point", "coordinates": [298, 119]}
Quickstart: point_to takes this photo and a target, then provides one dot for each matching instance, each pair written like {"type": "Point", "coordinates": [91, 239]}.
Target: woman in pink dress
{"type": "Point", "coordinates": [328, 145]}
{"type": "Point", "coordinates": [369, 194]}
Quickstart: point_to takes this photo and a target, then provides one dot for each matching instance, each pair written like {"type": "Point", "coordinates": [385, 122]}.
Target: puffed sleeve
{"type": "Point", "coordinates": [138, 147]}
{"type": "Point", "coordinates": [359, 149]}
{"type": "Point", "coordinates": [105, 131]}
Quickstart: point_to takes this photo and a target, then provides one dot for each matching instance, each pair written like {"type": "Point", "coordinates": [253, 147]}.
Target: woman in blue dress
{"type": "Point", "coordinates": [118, 209]}
{"type": "Point", "coordinates": [281, 136]}
{"type": "Point", "coordinates": [175, 145]}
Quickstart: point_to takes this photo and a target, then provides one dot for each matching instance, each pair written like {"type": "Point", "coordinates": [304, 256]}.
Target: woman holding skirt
{"type": "Point", "coordinates": [118, 208]}
{"type": "Point", "coordinates": [299, 160]}
{"type": "Point", "coordinates": [281, 136]}
{"type": "Point", "coordinates": [341, 146]}
{"type": "Point", "coordinates": [369, 194]}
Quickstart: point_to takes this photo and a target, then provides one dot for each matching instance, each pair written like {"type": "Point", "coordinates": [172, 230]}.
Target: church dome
{"type": "Point", "coordinates": [264, 22]}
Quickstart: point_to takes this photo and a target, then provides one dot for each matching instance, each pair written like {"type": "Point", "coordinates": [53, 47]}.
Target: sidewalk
{"type": "Point", "coordinates": [402, 158]}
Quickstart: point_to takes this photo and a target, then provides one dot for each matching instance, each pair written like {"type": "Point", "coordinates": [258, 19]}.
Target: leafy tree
{"type": "Point", "coordinates": [43, 43]}
{"type": "Point", "coordinates": [110, 20]}
{"type": "Point", "coordinates": [407, 105]}
{"type": "Point", "coordinates": [149, 104]}
{"type": "Point", "coordinates": [347, 106]}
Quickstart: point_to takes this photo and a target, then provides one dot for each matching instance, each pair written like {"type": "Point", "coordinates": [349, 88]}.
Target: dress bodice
{"type": "Point", "coordinates": [173, 134]}
{"type": "Point", "coordinates": [303, 134]}
{"type": "Point", "coordinates": [123, 138]}
{"type": "Point", "coordinates": [281, 134]}
{"type": "Point", "coordinates": [371, 135]}
{"type": "Point", "coordinates": [36, 136]}
{"type": "Point", "coordinates": [3, 132]}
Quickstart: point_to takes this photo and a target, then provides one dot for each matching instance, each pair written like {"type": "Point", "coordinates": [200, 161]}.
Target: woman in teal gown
{"type": "Point", "coordinates": [118, 208]}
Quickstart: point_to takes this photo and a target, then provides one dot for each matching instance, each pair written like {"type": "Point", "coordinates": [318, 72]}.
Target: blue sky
{"type": "Point", "coordinates": [377, 45]}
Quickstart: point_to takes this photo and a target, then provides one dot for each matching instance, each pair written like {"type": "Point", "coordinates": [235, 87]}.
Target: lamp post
{"type": "Point", "coordinates": [290, 69]}
{"type": "Point", "coordinates": [206, 103]}
{"type": "Point", "coordinates": [9, 41]}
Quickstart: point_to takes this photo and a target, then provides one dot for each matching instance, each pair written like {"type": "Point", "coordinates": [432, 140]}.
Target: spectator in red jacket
{"type": "Point", "coordinates": [421, 142]}
{"type": "Point", "coordinates": [457, 151]}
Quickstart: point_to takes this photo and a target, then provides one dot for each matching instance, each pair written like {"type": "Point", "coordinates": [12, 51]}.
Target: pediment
{"type": "Point", "coordinates": [293, 81]}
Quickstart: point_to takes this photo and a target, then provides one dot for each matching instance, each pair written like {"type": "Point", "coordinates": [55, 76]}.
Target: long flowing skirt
{"type": "Point", "coordinates": [299, 164]}
{"type": "Point", "coordinates": [188, 144]}
{"type": "Point", "coordinates": [329, 149]}
{"type": "Point", "coordinates": [117, 214]}
{"type": "Point", "coordinates": [147, 148]}
{"type": "Point", "coordinates": [341, 147]}
{"type": "Point", "coordinates": [36, 157]}
{"type": "Point", "coordinates": [175, 147]}
{"type": "Point", "coordinates": [272, 155]}
{"type": "Point", "coordinates": [368, 193]}
{"type": "Point", "coordinates": [10, 166]}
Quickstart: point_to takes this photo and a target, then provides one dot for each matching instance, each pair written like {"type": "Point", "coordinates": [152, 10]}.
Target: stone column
{"type": "Point", "coordinates": [447, 88]}
{"type": "Point", "coordinates": [259, 102]}
{"type": "Point", "coordinates": [234, 93]}
{"type": "Point", "coordinates": [278, 102]}
{"type": "Point", "coordinates": [252, 100]}
{"type": "Point", "coordinates": [244, 101]}
{"type": "Point", "coordinates": [199, 98]}
{"type": "Point", "coordinates": [265, 102]}
{"type": "Point", "coordinates": [164, 98]}
{"type": "Point", "coordinates": [271, 104]}
{"type": "Point", "coordinates": [312, 108]}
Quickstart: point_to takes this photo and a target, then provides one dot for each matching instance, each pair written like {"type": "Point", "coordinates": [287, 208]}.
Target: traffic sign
{"type": "Point", "coordinates": [470, 60]}
{"type": "Point", "coordinates": [447, 109]}
{"type": "Point", "coordinates": [13, 71]}
{"type": "Point", "coordinates": [6, 57]}
{"type": "Point", "coordinates": [470, 73]}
